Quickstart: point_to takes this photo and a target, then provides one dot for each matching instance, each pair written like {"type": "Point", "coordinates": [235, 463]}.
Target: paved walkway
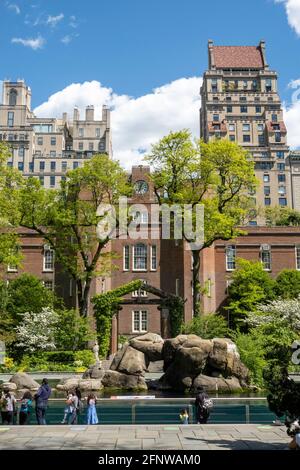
{"type": "Point", "coordinates": [108, 437]}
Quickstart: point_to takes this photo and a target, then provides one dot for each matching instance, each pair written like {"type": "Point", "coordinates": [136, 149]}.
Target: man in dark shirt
{"type": "Point", "coordinates": [41, 401]}
{"type": "Point", "coordinates": [202, 413]}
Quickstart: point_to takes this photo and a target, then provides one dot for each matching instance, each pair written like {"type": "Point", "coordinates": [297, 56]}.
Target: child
{"type": "Point", "coordinates": [92, 417]}
{"type": "Point", "coordinates": [184, 416]}
{"type": "Point", "coordinates": [69, 409]}
{"type": "Point", "coordinates": [25, 409]}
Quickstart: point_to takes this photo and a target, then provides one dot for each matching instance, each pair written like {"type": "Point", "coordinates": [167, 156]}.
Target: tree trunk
{"type": "Point", "coordinates": [83, 293]}
{"type": "Point", "coordinates": [196, 282]}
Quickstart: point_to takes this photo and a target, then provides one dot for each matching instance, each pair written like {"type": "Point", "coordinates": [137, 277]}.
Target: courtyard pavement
{"type": "Point", "coordinates": [142, 437]}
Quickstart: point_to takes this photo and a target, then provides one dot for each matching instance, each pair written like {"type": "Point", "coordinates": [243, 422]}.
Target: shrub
{"type": "Point", "coordinates": [86, 357]}
{"type": "Point", "coordinates": [73, 331]}
{"type": "Point", "coordinates": [207, 326]}
{"type": "Point", "coordinates": [252, 353]}
{"type": "Point", "coordinates": [288, 284]}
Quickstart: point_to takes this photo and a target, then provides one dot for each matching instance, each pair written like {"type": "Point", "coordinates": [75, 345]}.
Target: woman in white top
{"type": "Point", "coordinates": [7, 405]}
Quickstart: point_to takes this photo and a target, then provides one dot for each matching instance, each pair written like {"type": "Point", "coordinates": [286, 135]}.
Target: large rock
{"type": "Point", "coordinates": [9, 386]}
{"type": "Point", "coordinates": [150, 344]}
{"type": "Point", "coordinates": [68, 384]}
{"type": "Point", "coordinates": [114, 379]}
{"type": "Point", "coordinates": [216, 384]}
{"type": "Point", "coordinates": [94, 372]}
{"type": "Point", "coordinates": [118, 357]}
{"type": "Point", "coordinates": [226, 359]}
{"type": "Point", "coordinates": [133, 362]}
{"type": "Point", "coordinates": [169, 349]}
{"type": "Point", "coordinates": [91, 384]}
{"type": "Point", "coordinates": [189, 361]}
{"type": "Point", "coordinates": [23, 380]}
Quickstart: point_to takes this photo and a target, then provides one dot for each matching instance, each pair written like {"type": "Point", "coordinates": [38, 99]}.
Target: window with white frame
{"type": "Point", "coordinates": [153, 258]}
{"type": "Point", "coordinates": [126, 258]}
{"type": "Point", "coordinates": [265, 256]}
{"type": "Point", "coordinates": [139, 321]}
{"type": "Point", "coordinates": [48, 284]}
{"type": "Point", "coordinates": [12, 268]}
{"type": "Point", "coordinates": [140, 257]}
{"type": "Point", "coordinates": [140, 292]}
{"type": "Point", "coordinates": [230, 258]}
{"type": "Point", "coordinates": [298, 257]}
{"type": "Point", "coordinates": [48, 258]}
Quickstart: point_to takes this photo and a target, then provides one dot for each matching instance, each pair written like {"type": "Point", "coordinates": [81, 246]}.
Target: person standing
{"type": "Point", "coordinates": [7, 405]}
{"type": "Point", "coordinates": [25, 410]}
{"type": "Point", "coordinates": [202, 404]}
{"type": "Point", "coordinates": [41, 401]}
{"type": "Point", "coordinates": [92, 417]}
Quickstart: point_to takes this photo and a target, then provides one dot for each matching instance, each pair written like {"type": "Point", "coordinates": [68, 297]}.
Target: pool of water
{"type": "Point", "coordinates": [166, 411]}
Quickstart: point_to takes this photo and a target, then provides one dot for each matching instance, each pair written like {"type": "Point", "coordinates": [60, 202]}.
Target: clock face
{"type": "Point", "coordinates": [141, 187]}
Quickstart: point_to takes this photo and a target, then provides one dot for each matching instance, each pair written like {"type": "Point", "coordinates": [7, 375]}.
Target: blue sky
{"type": "Point", "coordinates": [130, 47]}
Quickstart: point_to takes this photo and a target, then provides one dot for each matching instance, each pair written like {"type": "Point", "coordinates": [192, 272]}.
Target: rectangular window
{"type": "Point", "coordinates": [81, 132]}
{"type": "Point", "coordinates": [214, 85]}
{"type": "Point", "coordinates": [244, 109]}
{"type": "Point", "coordinates": [126, 258]}
{"type": "Point", "coordinates": [48, 285]}
{"type": "Point", "coordinates": [265, 254]}
{"type": "Point", "coordinates": [22, 136]}
{"type": "Point", "coordinates": [53, 141]}
{"type": "Point", "coordinates": [268, 85]}
{"type": "Point", "coordinates": [246, 127]}
{"type": "Point", "coordinates": [232, 138]}
{"type": "Point", "coordinates": [230, 258]}
{"type": "Point", "coordinates": [21, 152]}
{"type": "Point", "coordinates": [31, 167]}
{"type": "Point", "coordinates": [282, 201]}
{"type": "Point", "coordinates": [231, 127]}
{"type": "Point", "coordinates": [10, 137]}
{"type": "Point", "coordinates": [280, 166]}
{"type": "Point", "coordinates": [53, 166]}
{"type": "Point", "coordinates": [243, 99]}
{"type": "Point", "coordinates": [267, 190]}
{"type": "Point", "coordinates": [75, 165]}
{"type": "Point", "coordinates": [261, 139]}
{"type": "Point", "coordinates": [139, 321]}
{"type": "Point", "coordinates": [80, 146]}
{"type": "Point", "coordinates": [10, 119]}
{"type": "Point", "coordinates": [229, 109]}
{"type": "Point", "coordinates": [215, 117]}
{"type": "Point", "coordinates": [153, 258]}
{"type": "Point", "coordinates": [40, 140]}
{"type": "Point", "coordinates": [274, 117]}
{"type": "Point", "coordinates": [52, 153]}
{"type": "Point", "coordinates": [52, 181]}
{"type": "Point", "coordinates": [91, 146]}
{"type": "Point", "coordinates": [280, 155]}
{"type": "Point", "coordinates": [260, 127]}
{"type": "Point", "coordinates": [282, 190]}
{"type": "Point", "coordinates": [64, 166]}
{"type": "Point", "coordinates": [281, 178]}
{"type": "Point", "coordinates": [97, 131]}
{"type": "Point", "coordinates": [48, 259]}
{"type": "Point", "coordinates": [20, 166]}
{"type": "Point", "coordinates": [267, 201]}
{"type": "Point", "coordinates": [42, 166]}
{"type": "Point", "coordinates": [140, 257]}
{"type": "Point", "coordinates": [298, 257]}
{"type": "Point", "coordinates": [41, 178]}
{"type": "Point", "coordinates": [246, 138]}
{"type": "Point", "coordinates": [258, 109]}
{"type": "Point", "coordinates": [277, 137]}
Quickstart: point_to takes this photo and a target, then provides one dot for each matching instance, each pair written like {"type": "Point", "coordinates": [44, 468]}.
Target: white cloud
{"type": "Point", "coordinates": [54, 20]}
{"type": "Point", "coordinates": [73, 22]}
{"type": "Point", "coordinates": [35, 44]}
{"type": "Point", "coordinates": [292, 115]}
{"type": "Point", "coordinates": [68, 38]}
{"type": "Point", "coordinates": [13, 6]}
{"type": "Point", "coordinates": [292, 8]}
{"type": "Point", "coordinates": [136, 122]}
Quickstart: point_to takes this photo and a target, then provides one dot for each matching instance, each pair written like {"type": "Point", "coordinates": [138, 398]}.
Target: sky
{"type": "Point", "coordinates": [143, 58]}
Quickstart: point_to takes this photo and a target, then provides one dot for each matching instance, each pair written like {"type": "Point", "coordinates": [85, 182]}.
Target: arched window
{"type": "Point", "coordinates": [13, 97]}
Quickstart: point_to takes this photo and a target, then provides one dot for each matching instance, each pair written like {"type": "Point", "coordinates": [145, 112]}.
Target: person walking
{"type": "Point", "coordinates": [7, 405]}
{"type": "Point", "coordinates": [70, 415]}
{"type": "Point", "coordinates": [92, 417]}
{"type": "Point", "coordinates": [25, 409]}
{"type": "Point", "coordinates": [203, 405]}
{"type": "Point", "coordinates": [41, 401]}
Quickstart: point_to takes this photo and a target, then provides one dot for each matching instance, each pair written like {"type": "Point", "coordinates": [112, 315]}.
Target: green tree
{"type": "Point", "coordinates": [27, 293]}
{"type": "Point", "coordinates": [250, 285]}
{"type": "Point", "coordinates": [73, 331]}
{"type": "Point", "coordinates": [288, 284]}
{"type": "Point", "coordinates": [219, 175]}
{"type": "Point", "coordinates": [252, 352]}
{"type": "Point", "coordinates": [282, 216]}
{"type": "Point", "coordinates": [207, 326]}
{"type": "Point", "coordinates": [68, 218]}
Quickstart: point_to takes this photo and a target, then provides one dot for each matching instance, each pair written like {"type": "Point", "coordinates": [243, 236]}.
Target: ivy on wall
{"type": "Point", "coordinates": [107, 305]}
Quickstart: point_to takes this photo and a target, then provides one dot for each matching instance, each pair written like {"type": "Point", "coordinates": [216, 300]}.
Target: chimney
{"type": "Point", "coordinates": [106, 115]}
{"type": "Point", "coordinates": [89, 113]}
{"type": "Point", "coordinates": [211, 59]}
{"type": "Point", "coordinates": [262, 46]}
{"type": "Point", "coordinates": [65, 117]}
{"type": "Point", "coordinates": [76, 114]}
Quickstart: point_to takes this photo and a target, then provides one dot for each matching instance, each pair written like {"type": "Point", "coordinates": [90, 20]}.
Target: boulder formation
{"type": "Point", "coordinates": [24, 381]}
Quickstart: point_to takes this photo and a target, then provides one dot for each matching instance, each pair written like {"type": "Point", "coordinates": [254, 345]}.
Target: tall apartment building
{"type": "Point", "coordinates": [48, 147]}
{"type": "Point", "coordinates": [240, 102]}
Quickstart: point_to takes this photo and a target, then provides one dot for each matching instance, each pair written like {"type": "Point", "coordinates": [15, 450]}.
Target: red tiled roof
{"type": "Point", "coordinates": [238, 57]}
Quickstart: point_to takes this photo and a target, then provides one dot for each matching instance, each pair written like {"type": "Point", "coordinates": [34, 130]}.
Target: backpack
{"type": "Point", "coordinates": [208, 403]}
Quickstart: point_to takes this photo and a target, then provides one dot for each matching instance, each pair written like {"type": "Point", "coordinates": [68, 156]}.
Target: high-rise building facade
{"type": "Point", "coordinates": [48, 147]}
{"type": "Point", "coordinates": [240, 102]}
